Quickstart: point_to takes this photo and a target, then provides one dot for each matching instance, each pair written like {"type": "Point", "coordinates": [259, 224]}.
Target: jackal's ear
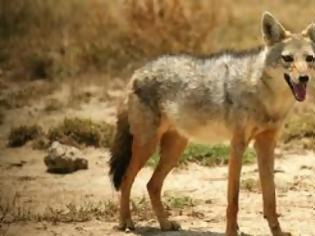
{"type": "Point", "coordinates": [273, 32]}
{"type": "Point", "coordinates": [310, 32]}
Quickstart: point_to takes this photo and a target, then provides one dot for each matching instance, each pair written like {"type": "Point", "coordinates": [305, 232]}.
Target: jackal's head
{"type": "Point", "coordinates": [292, 55]}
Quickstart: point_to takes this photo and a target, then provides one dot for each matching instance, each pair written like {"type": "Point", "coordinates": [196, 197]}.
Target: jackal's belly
{"type": "Point", "coordinates": [201, 126]}
{"type": "Point", "coordinates": [210, 133]}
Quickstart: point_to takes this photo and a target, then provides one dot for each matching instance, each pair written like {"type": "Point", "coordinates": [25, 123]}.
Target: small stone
{"type": "Point", "coordinates": [64, 159]}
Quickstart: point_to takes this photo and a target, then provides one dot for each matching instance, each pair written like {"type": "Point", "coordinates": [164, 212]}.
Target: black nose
{"type": "Point", "coordinates": [303, 78]}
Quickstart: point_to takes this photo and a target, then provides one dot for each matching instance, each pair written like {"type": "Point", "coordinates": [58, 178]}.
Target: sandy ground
{"type": "Point", "coordinates": [23, 177]}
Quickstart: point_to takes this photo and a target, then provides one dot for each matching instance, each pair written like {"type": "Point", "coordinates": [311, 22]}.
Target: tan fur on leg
{"type": "Point", "coordinates": [140, 154]}
{"type": "Point", "coordinates": [238, 146]}
{"type": "Point", "coordinates": [265, 145]}
{"type": "Point", "coordinates": [172, 146]}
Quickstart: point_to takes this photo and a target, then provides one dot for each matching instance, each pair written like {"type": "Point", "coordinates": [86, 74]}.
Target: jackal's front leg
{"type": "Point", "coordinates": [265, 145]}
{"type": "Point", "coordinates": [238, 146]}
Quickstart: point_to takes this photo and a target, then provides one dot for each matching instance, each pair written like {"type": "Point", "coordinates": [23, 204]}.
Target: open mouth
{"type": "Point", "coordinates": [298, 89]}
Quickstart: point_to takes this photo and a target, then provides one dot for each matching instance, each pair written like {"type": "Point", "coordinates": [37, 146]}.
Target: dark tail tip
{"type": "Point", "coordinates": [121, 150]}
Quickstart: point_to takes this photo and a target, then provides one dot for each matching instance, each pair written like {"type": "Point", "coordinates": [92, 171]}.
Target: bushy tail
{"type": "Point", "coordinates": [121, 150]}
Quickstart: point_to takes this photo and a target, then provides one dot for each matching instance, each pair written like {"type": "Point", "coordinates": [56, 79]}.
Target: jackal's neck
{"type": "Point", "coordinates": [256, 64]}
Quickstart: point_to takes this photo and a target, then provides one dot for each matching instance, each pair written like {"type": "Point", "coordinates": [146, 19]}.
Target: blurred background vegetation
{"type": "Point", "coordinates": [57, 38]}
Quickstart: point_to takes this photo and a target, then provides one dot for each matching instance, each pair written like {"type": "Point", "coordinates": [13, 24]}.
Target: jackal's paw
{"type": "Point", "coordinates": [126, 225]}
{"type": "Point", "coordinates": [276, 231]}
{"type": "Point", "coordinates": [232, 230]}
{"type": "Point", "coordinates": [170, 226]}
{"type": "Point", "coordinates": [231, 233]}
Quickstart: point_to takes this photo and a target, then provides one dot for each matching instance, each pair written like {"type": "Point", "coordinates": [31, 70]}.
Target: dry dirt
{"type": "Point", "coordinates": [23, 177]}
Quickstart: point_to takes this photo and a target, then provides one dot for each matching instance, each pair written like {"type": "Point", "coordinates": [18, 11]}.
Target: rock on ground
{"type": "Point", "coordinates": [64, 159]}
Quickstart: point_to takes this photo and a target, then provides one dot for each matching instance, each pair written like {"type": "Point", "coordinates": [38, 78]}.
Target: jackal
{"type": "Point", "coordinates": [241, 96]}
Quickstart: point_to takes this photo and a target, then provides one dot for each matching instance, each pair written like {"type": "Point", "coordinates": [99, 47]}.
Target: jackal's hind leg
{"type": "Point", "coordinates": [172, 146]}
{"type": "Point", "coordinates": [140, 154]}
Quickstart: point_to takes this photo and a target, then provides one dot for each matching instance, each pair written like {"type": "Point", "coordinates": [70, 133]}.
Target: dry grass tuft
{"type": "Point", "coordinates": [250, 184]}
{"type": "Point", "coordinates": [20, 135]}
{"type": "Point", "coordinates": [2, 117]}
{"type": "Point", "coordinates": [53, 104]}
{"type": "Point", "coordinates": [76, 131]}
{"type": "Point", "coordinates": [300, 127]}
{"type": "Point", "coordinates": [26, 94]}
{"type": "Point", "coordinates": [179, 202]}
{"type": "Point", "coordinates": [156, 27]}
{"type": "Point", "coordinates": [14, 211]}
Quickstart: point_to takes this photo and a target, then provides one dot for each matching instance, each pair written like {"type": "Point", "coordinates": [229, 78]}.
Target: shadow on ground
{"type": "Point", "coordinates": [151, 231]}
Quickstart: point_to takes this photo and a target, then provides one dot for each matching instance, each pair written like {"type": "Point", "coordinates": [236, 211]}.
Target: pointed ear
{"type": "Point", "coordinates": [273, 32]}
{"type": "Point", "coordinates": [310, 32]}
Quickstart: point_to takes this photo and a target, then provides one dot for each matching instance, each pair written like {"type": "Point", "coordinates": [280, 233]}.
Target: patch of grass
{"type": "Point", "coordinates": [41, 143]}
{"type": "Point", "coordinates": [20, 135]}
{"type": "Point", "coordinates": [213, 155]}
{"type": "Point", "coordinates": [249, 184]}
{"type": "Point", "coordinates": [308, 143]}
{"type": "Point", "coordinates": [301, 125]}
{"type": "Point", "coordinates": [1, 117]}
{"type": "Point", "coordinates": [84, 96]}
{"type": "Point", "coordinates": [39, 65]}
{"type": "Point", "coordinates": [179, 202]}
{"type": "Point", "coordinates": [53, 105]}
{"type": "Point", "coordinates": [15, 211]}
{"type": "Point", "coordinates": [175, 204]}
{"type": "Point", "coordinates": [26, 94]}
{"type": "Point", "coordinates": [82, 131]}
{"type": "Point", "coordinates": [206, 155]}
{"type": "Point", "coordinates": [306, 167]}
{"type": "Point", "coordinates": [142, 208]}
{"type": "Point", "coordinates": [72, 213]}
{"type": "Point", "coordinates": [153, 160]}
{"type": "Point", "coordinates": [300, 128]}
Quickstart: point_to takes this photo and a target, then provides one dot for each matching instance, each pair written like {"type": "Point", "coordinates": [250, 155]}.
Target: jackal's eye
{"type": "Point", "coordinates": [309, 58]}
{"type": "Point", "coordinates": [287, 58]}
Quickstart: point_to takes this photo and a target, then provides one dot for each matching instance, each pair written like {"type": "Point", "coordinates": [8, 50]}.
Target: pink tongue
{"type": "Point", "coordinates": [300, 91]}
